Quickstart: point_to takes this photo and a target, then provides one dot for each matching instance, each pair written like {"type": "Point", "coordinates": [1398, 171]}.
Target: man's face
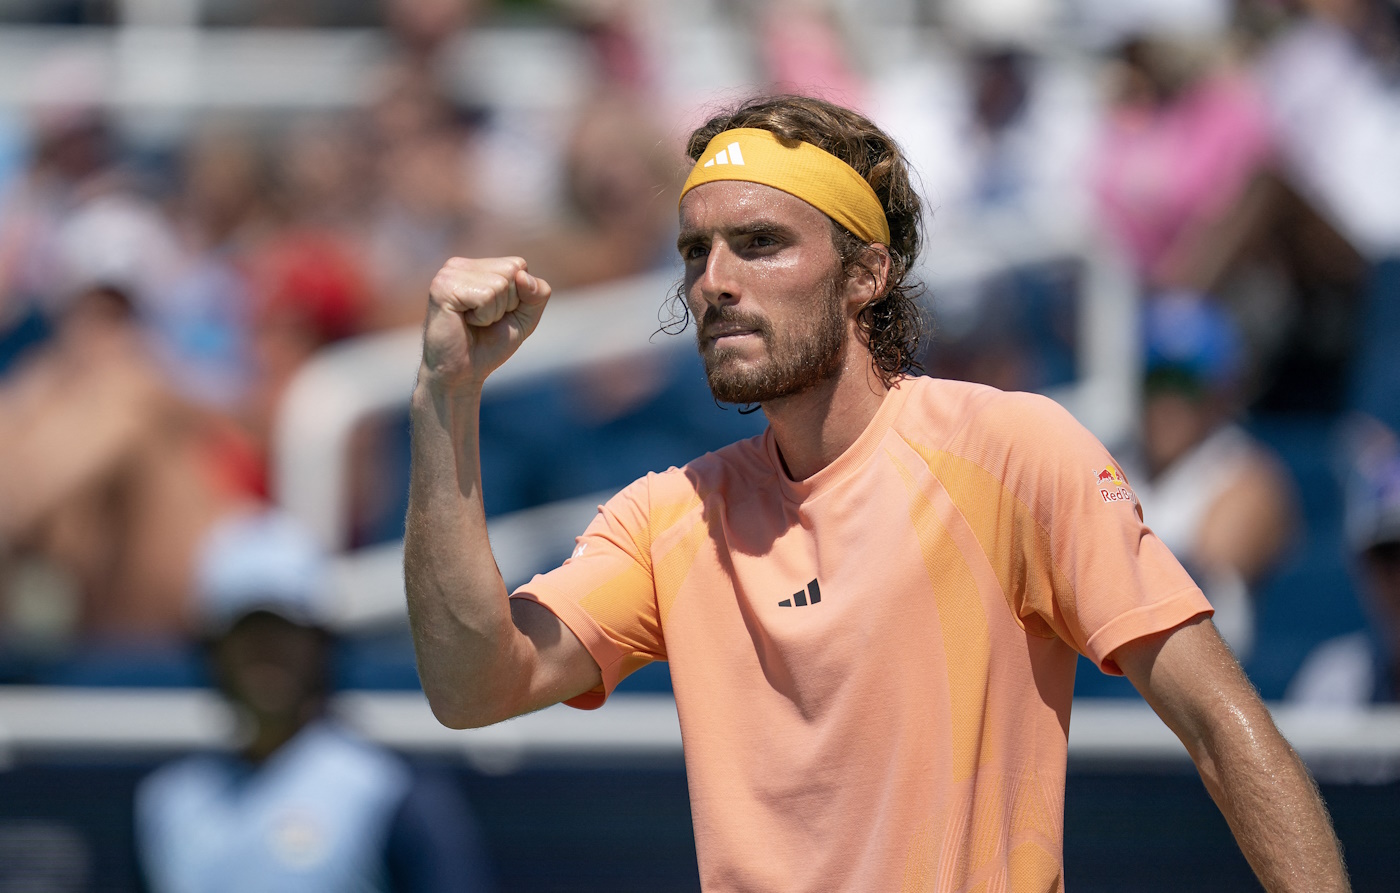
{"type": "Point", "coordinates": [764, 282]}
{"type": "Point", "coordinates": [272, 667]}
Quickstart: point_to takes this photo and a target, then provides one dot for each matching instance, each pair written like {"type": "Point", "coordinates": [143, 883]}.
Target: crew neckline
{"type": "Point", "coordinates": [854, 456]}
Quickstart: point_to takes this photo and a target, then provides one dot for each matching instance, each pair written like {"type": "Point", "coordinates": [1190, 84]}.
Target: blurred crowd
{"type": "Point", "coordinates": [1243, 164]}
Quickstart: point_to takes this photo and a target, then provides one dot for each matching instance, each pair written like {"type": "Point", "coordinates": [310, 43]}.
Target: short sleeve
{"type": "Point", "coordinates": [1078, 559]}
{"type": "Point", "coordinates": [605, 592]}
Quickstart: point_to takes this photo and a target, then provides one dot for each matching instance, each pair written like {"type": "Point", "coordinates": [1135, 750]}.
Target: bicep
{"type": "Point", "coordinates": [561, 667]}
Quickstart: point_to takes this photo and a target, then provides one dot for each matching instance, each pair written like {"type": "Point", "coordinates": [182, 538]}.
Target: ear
{"type": "Point", "coordinates": [870, 278]}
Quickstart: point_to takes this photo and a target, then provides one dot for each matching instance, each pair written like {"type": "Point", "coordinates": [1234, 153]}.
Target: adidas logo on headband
{"type": "Point", "coordinates": [728, 155]}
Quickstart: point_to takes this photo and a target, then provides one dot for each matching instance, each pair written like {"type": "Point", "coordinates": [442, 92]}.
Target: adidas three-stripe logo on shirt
{"type": "Point", "coordinates": [801, 599]}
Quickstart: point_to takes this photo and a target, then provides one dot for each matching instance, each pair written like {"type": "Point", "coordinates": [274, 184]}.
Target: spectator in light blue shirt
{"type": "Point", "coordinates": [305, 804]}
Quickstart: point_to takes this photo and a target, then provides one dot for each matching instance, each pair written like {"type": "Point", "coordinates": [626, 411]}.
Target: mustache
{"type": "Point", "coordinates": [729, 317]}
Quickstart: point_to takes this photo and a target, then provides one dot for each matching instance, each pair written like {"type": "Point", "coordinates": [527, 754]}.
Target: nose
{"type": "Point", "coordinates": [717, 284]}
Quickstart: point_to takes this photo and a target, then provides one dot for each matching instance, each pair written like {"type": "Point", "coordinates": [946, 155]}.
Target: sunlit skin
{"type": "Point", "coordinates": [763, 282]}
{"type": "Point", "coordinates": [732, 274]}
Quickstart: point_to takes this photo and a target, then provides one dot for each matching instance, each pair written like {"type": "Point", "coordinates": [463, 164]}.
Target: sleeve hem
{"type": "Point", "coordinates": [604, 651]}
{"type": "Point", "coordinates": [1157, 617]}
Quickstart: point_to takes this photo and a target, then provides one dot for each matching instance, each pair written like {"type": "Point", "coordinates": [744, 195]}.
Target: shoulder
{"type": "Point", "coordinates": [971, 418]}
{"type": "Point", "coordinates": [187, 771]}
{"type": "Point", "coordinates": [652, 504]}
{"type": "Point", "coordinates": [741, 460]}
{"type": "Point", "coordinates": [178, 787]}
{"type": "Point", "coordinates": [1019, 443]}
{"type": "Point", "coordinates": [714, 473]}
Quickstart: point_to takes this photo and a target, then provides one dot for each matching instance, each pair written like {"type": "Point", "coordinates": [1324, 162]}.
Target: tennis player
{"type": "Point", "coordinates": [872, 611]}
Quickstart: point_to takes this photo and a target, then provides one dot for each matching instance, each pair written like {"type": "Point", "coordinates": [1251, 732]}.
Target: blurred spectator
{"type": "Point", "coordinates": [108, 477]}
{"type": "Point", "coordinates": [1333, 88]}
{"type": "Point", "coordinates": [1364, 667]}
{"type": "Point", "coordinates": [221, 211]}
{"type": "Point", "coordinates": [323, 176]}
{"type": "Point", "coordinates": [305, 804]}
{"type": "Point", "coordinates": [1015, 330]}
{"type": "Point", "coordinates": [423, 27]}
{"type": "Point", "coordinates": [427, 207]}
{"type": "Point", "coordinates": [1188, 180]}
{"type": "Point", "coordinates": [1292, 282]}
{"type": "Point", "coordinates": [1333, 83]}
{"type": "Point", "coordinates": [621, 180]}
{"type": "Point", "coordinates": [69, 161]}
{"type": "Point", "coordinates": [620, 171]}
{"type": "Point", "coordinates": [1218, 499]}
{"type": "Point", "coordinates": [1000, 136]}
{"type": "Point", "coordinates": [804, 51]}
{"type": "Point", "coordinates": [1186, 134]}
{"type": "Point", "coordinates": [309, 290]}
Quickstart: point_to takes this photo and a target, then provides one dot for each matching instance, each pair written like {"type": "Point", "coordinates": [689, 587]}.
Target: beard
{"type": "Point", "coordinates": [809, 353]}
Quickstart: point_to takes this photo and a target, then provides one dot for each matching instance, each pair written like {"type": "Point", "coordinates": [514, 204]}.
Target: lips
{"type": "Point", "coordinates": [718, 332]}
{"type": "Point", "coordinates": [721, 325]}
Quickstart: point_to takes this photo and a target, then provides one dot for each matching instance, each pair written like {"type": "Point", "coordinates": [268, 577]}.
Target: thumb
{"type": "Point", "coordinates": [531, 289]}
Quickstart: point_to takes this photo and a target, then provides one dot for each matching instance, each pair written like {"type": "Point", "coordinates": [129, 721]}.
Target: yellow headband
{"type": "Point", "coordinates": [817, 177]}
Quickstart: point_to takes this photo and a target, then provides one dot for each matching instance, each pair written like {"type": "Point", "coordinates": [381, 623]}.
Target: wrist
{"type": "Point", "coordinates": [433, 390]}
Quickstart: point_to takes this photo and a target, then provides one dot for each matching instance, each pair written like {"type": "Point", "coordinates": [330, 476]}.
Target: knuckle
{"type": "Point", "coordinates": [473, 294]}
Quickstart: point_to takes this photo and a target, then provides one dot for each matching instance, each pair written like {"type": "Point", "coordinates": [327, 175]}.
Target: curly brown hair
{"type": "Point", "coordinates": [894, 322]}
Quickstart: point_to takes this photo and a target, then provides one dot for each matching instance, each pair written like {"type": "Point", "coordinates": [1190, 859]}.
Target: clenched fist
{"type": "Point", "coordinates": [479, 311]}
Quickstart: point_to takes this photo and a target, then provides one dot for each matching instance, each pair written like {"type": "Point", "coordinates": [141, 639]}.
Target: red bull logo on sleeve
{"type": "Point", "coordinates": [1113, 487]}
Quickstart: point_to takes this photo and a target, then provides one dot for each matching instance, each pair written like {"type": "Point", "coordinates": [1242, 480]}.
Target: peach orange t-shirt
{"type": "Point", "coordinates": [873, 667]}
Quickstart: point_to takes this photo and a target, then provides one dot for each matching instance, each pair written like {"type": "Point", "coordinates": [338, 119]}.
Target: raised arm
{"type": "Point", "coordinates": [1192, 680]}
{"type": "Point", "coordinates": [481, 657]}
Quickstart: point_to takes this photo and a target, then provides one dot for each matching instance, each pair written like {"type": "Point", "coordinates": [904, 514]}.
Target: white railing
{"type": "Point", "coordinates": [1360, 746]}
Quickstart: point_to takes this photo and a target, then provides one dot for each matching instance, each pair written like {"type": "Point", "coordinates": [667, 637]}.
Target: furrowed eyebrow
{"type": "Point", "coordinates": [748, 228]}
{"type": "Point", "coordinates": [758, 227]}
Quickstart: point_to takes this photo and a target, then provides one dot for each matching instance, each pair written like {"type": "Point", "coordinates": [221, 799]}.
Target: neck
{"type": "Point", "coordinates": [270, 733]}
{"type": "Point", "coordinates": [815, 427]}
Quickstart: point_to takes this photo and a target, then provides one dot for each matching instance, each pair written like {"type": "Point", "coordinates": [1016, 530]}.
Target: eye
{"type": "Point", "coordinates": [694, 251]}
{"type": "Point", "coordinates": [763, 243]}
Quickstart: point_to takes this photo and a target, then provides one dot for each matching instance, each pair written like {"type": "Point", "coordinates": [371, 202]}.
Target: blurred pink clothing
{"type": "Point", "coordinates": [803, 52]}
{"type": "Point", "coordinates": [1162, 172]}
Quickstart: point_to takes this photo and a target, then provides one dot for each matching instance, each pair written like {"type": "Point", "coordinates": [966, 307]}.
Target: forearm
{"type": "Point", "coordinates": [1192, 680]}
{"type": "Point", "coordinates": [1271, 804]}
{"type": "Point", "coordinates": [467, 646]}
